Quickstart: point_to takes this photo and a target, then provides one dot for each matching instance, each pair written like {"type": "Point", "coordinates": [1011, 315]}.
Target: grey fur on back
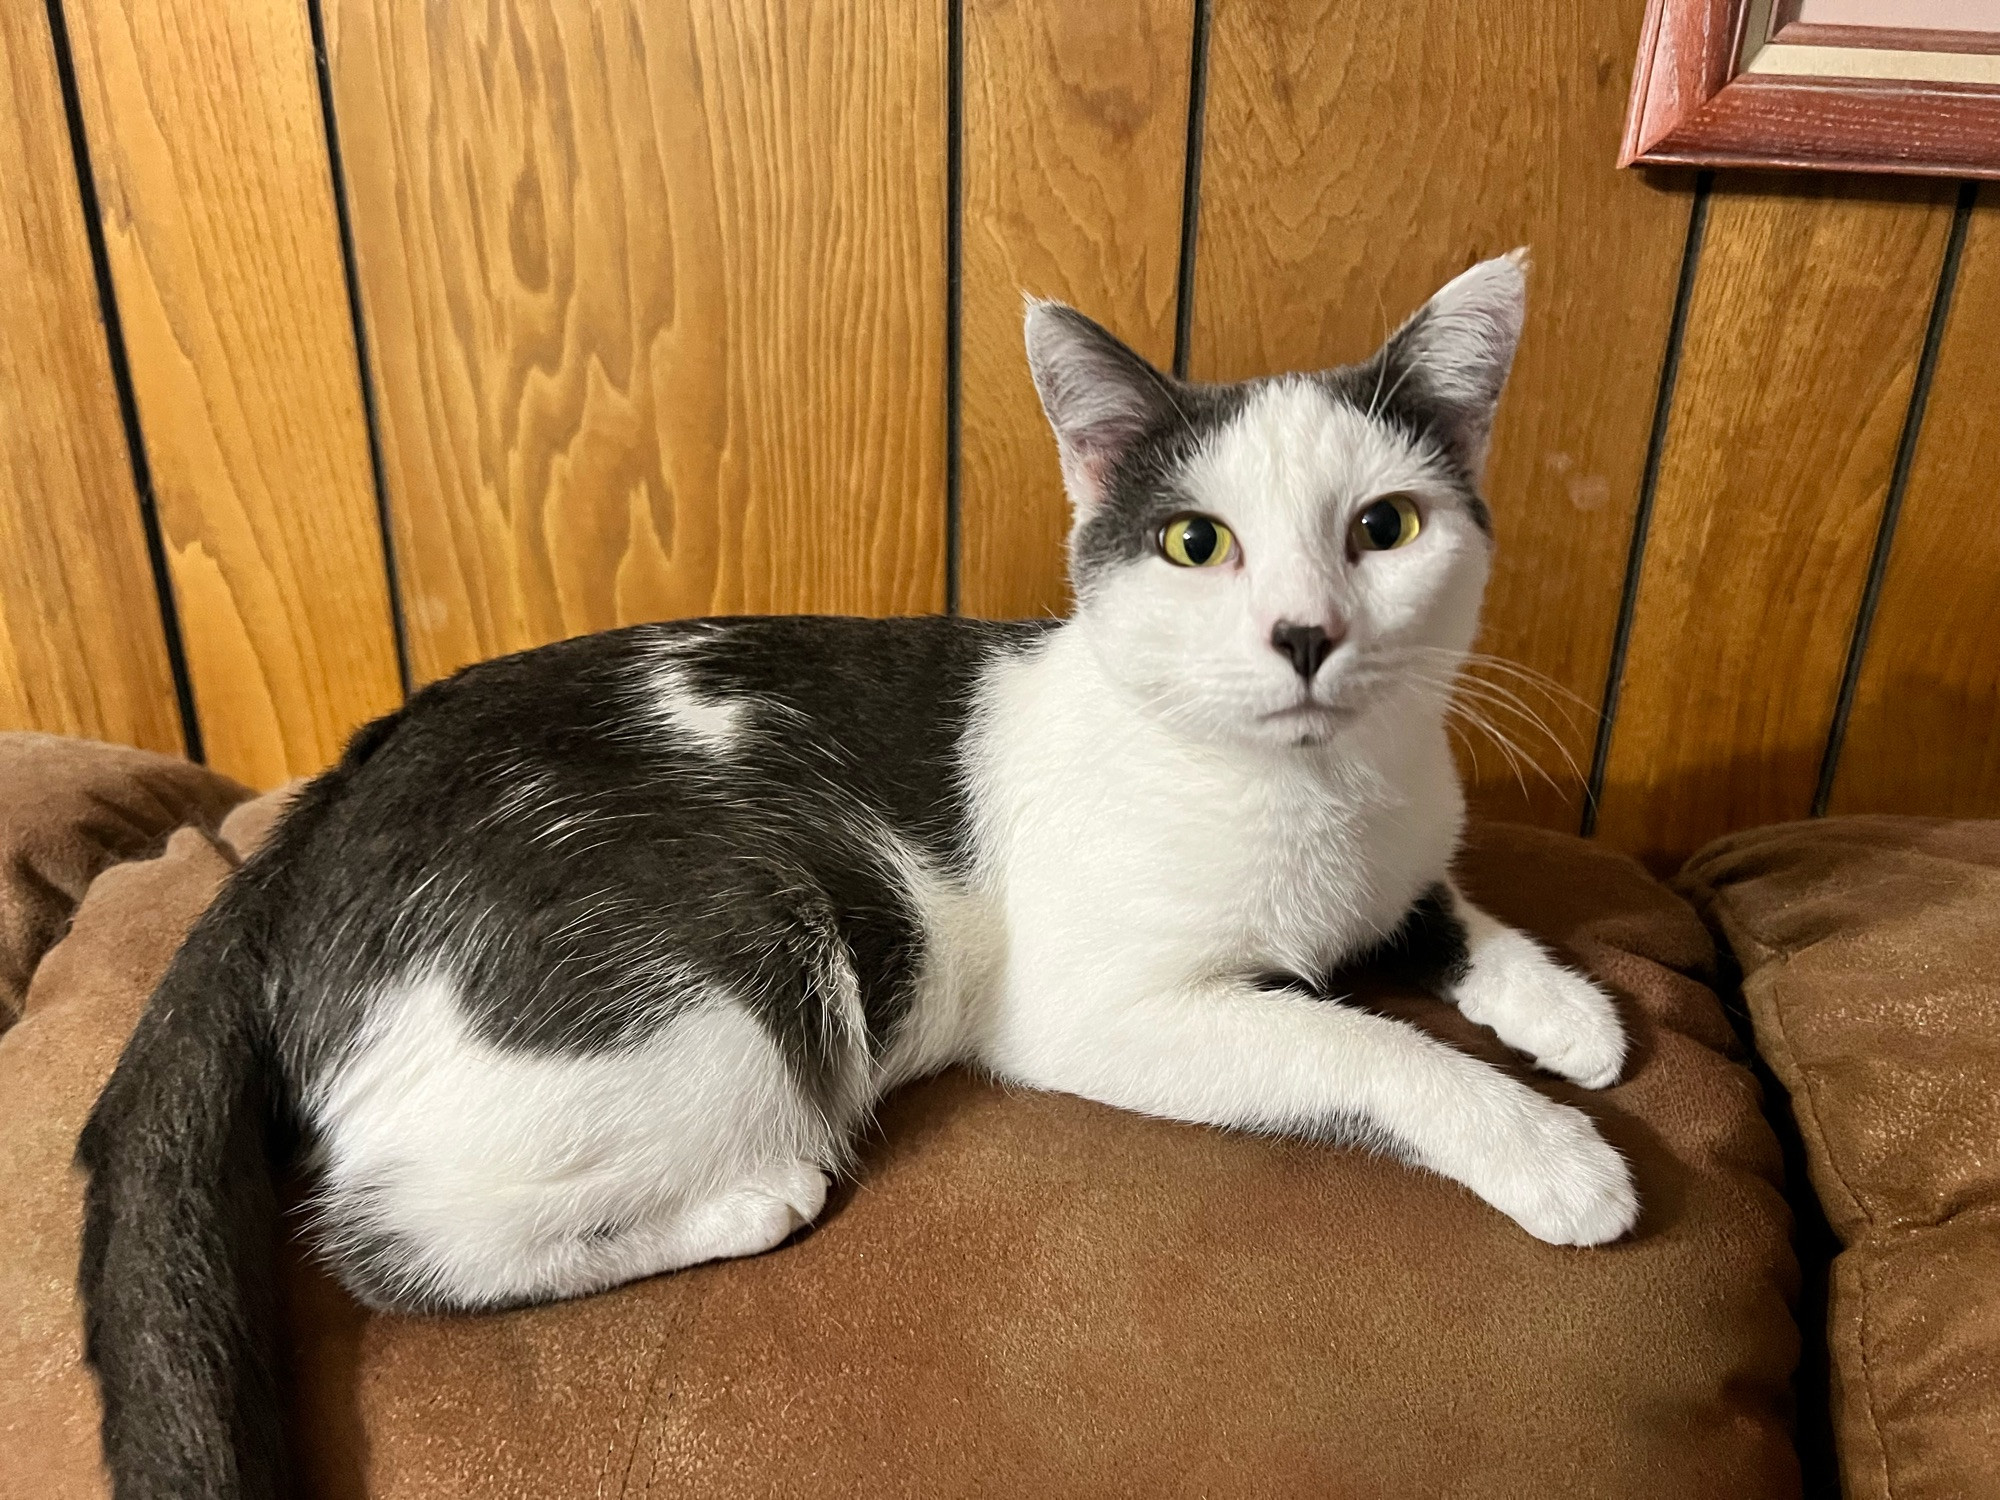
{"type": "Point", "coordinates": [534, 821]}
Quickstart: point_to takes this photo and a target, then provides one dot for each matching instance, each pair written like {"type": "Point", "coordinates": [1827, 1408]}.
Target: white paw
{"type": "Point", "coordinates": [1558, 1017]}
{"type": "Point", "coordinates": [1593, 1052]}
{"type": "Point", "coordinates": [753, 1217]}
{"type": "Point", "coordinates": [1554, 1176]}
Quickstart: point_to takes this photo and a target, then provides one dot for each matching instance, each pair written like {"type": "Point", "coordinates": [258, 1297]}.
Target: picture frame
{"type": "Point", "coordinates": [1774, 83]}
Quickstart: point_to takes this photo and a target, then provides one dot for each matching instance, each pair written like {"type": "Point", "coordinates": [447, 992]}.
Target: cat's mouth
{"type": "Point", "coordinates": [1309, 722]}
{"type": "Point", "coordinates": [1311, 711]}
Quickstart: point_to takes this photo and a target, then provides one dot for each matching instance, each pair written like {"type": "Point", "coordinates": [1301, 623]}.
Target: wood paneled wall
{"type": "Point", "coordinates": [656, 300]}
{"type": "Point", "coordinates": [1796, 372]}
{"type": "Point", "coordinates": [82, 644]}
{"type": "Point", "coordinates": [1348, 172]}
{"type": "Point", "coordinates": [1923, 733]}
{"type": "Point", "coordinates": [348, 342]}
{"type": "Point", "coordinates": [204, 129]}
{"type": "Point", "coordinates": [1075, 142]}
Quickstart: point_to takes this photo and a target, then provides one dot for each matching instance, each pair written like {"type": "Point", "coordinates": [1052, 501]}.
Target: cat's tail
{"type": "Point", "coordinates": [178, 1273]}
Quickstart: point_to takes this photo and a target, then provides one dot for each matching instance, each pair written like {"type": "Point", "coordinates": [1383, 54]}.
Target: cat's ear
{"type": "Point", "coordinates": [1098, 395]}
{"type": "Point", "coordinates": [1450, 360]}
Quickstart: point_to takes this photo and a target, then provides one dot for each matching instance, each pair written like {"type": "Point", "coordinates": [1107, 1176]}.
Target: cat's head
{"type": "Point", "coordinates": [1272, 559]}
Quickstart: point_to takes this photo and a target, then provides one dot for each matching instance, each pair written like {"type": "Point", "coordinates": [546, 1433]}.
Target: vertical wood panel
{"type": "Point", "coordinates": [81, 646]}
{"type": "Point", "coordinates": [1354, 163]}
{"type": "Point", "coordinates": [1075, 135]}
{"type": "Point", "coordinates": [1808, 318]}
{"type": "Point", "coordinates": [211, 167]}
{"type": "Point", "coordinates": [656, 298]}
{"type": "Point", "coordinates": [1924, 732]}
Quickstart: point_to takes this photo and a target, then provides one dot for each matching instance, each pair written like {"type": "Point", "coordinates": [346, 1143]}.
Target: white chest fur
{"type": "Point", "coordinates": [1123, 858]}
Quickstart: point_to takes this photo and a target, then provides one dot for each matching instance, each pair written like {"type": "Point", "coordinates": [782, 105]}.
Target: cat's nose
{"type": "Point", "coordinates": [1306, 645]}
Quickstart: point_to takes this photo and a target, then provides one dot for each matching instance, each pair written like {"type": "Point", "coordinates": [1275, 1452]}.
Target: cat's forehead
{"type": "Point", "coordinates": [1293, 446]}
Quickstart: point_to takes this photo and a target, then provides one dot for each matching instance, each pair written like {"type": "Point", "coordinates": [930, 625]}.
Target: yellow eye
{"type": "Point", "coordinates": [1197, 542]}
{"type": "Point", "coordinates": [1392, 521]}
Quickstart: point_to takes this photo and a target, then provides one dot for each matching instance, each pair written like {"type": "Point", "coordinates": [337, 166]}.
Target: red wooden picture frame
{"type": "Point", "coordinates": [1692, 105]}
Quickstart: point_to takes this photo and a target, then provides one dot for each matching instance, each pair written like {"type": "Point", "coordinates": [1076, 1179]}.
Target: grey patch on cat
{"type": "Point", "coordinates": [1428, 949]}
{"type": "Point", "coordinates": [1137, 428]}
{"type": "Point", "coordinates": [1391, 389]}
{"type": "Point", "coordinates": [1144, 488]}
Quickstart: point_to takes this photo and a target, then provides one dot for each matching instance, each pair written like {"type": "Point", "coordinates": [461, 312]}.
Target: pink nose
{"type": "Point", "coordinates": [1308, 646]}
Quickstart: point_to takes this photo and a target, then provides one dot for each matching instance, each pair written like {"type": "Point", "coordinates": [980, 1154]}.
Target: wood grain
{"type": "Point", "coordinates": [1075, 142]}
{"type": "Point", "coordinates": [1802, 342]}
{"type": "Point", "coordinates": [211, 164]}
{"type": "Point", "coordinates": [656, 297]}
{"type": "Point", "coordinates": [81, 646]}
{"type": "Point", "coordinates": [1923, 735]}
{"type": "Point", "coordinates": [1352, 169]}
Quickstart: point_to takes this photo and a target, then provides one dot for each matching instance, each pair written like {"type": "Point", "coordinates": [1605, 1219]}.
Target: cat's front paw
{"type": "Point", "coordinates": [1582, 1038]}
{"type": "Point", "coordinates": [1559, 1018]}
{"type": "Point", "coordinates": [1560, 1181]}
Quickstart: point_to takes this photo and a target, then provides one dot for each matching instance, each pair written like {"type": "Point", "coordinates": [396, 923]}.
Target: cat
{"type": "Point", "coordinates": [590, 962]}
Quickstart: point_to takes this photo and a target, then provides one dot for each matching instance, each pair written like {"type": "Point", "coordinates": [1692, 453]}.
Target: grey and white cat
{"type": "Point", "coordinates": [591, 962]}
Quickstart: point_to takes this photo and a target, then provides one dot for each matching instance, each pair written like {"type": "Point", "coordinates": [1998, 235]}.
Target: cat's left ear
{"type": "Point", "coordinates": [1099, 396]}
{"type": "Point", "coordinates": [1450, 360]}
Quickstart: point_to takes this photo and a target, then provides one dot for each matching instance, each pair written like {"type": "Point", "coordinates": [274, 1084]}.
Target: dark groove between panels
{"type": "Point", "coordinates": [954, 301]}
{"type": "Point", "coordinates": [121, 380]}
{"type": "Point", "coordinates": [1892, 503]}
{"type": "Point", "coordinates": [1191, 190]}
{"type": "Point", "coordinates": [350, 268]}
{"type": "Point", "coordinates": [1649, 483]}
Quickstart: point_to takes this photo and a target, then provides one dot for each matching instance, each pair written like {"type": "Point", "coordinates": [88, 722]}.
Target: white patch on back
{"type": "Point", "coordinates": [717, 725]}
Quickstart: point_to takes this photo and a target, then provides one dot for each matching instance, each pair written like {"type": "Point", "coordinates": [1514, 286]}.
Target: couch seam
{"type": "Point", "coordinates": [644, 1413]}
{"type": "Point", "coordinates": [1868, 1381]}
{"type": "Point", "coordinates": [1860, 1270]}
{"type": "Point", "coordinates": [1812, 1108]}
{"type": "Point", "coordinates": [677, 1330]}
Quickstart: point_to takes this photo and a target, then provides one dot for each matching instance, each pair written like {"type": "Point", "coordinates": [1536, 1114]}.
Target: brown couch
{"type": "Point", "coordinates": [1870, 954]}
{"type": "Point", "coordinates": [1029, 1295]}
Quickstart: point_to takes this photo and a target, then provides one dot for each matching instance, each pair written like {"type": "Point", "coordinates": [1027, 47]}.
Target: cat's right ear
{"type": "Point", "coordinates": [1098, 395]}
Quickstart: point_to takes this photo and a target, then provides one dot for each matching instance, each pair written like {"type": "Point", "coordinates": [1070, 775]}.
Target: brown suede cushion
{"type": "Point", "coordinates": [1029, 1295]}
{"type": "Point", "coordinates": [68, 808]}
{"type": "Point", "coordinates": [84, 1000]}
{"type": "Point", "coordinates": [1871, 965]}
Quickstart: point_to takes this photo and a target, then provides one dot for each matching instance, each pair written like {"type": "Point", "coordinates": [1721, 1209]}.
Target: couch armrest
{"type": "Point", "coordinates": [1870, 949]}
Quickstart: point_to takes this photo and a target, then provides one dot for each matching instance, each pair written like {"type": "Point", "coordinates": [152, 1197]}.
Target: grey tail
{"type": "Point", "coordinates": [178, 1275]}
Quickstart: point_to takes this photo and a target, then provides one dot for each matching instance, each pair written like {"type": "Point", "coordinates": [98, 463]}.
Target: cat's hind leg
{"type": "Point", "coordinates": [457, 1173]}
